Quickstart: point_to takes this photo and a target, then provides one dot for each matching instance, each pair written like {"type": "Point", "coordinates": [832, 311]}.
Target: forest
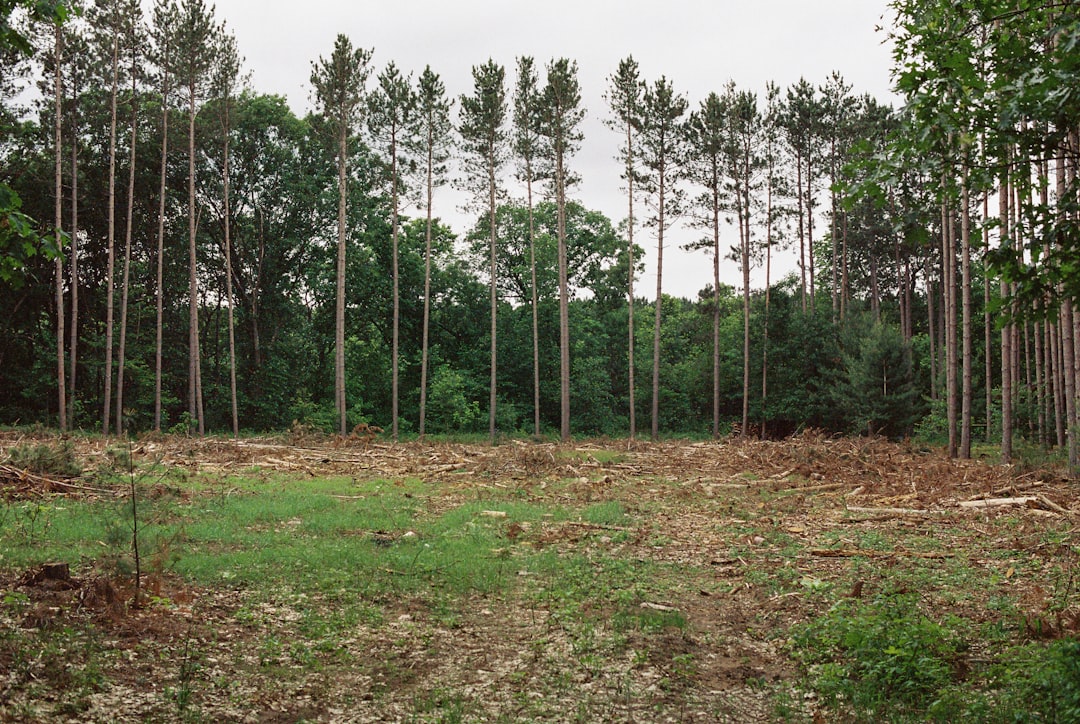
{"type": "Point", "coordinates": [184, 253]}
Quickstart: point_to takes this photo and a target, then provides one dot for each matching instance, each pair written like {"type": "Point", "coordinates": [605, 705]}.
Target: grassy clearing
{"type": "Point", "coordinates": [488, 597]}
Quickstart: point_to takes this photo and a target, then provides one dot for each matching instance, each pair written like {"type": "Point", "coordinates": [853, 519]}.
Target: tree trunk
{"type": "Point", "coordinates": [159, 324]}
{"type": "Point", "coordinates": [225, 181]}
{"type": "Point", "coordinates": [630, 257]}
{"type": "Point", "coordinates": [1006, 335]}
{"type": "Point", "coordinates": [109, 285]}
{"type": "Point", "coordinates": [656, 323]}
{"type": "Point", "coordinates": [74, 270]}
{"type": "Point", "coordinates": [965, 291]}
{"type": "Point", "coordinates": [339, 314]}
{"type": "Point", "coordinates": [564, 298]}
{"type": "Point", "coordinates": [58, 265]}
{"type": "Point", "coordinates": [534, 301]}
{"type": "Point", "coordinates": [195, 402]}
{"type": "Point", "coordinates": [394, 273]}
{"type": "Point", "coordinates": [931, 316]}
{"type": "Point", "coordinates": [425, 334]}
{"type": "Point", "coordinates": [716, 301]}
{"type": "Point", "coordinates": [125, 283]}
{"type": "Point", "coordinates": [492, 398]}
{"type": "Point", "coordinates": [987, 325]}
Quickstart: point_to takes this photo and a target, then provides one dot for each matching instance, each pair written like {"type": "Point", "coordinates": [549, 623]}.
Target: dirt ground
{"type": "Point", "coordinates": [502, 661]}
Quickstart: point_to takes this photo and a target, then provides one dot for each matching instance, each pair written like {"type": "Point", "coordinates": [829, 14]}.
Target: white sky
{"type": "Point", "coordinates": [698, 44]}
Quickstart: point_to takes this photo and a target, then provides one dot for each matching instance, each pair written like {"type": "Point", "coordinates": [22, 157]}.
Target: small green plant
{"type": "Point", "coordinates": [53, 460]}
{"type": "Point", "coordinates": [879, 656]}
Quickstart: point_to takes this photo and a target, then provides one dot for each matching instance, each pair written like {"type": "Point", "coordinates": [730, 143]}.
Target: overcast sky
{"type": "Point", "coordinates": [698, 44]}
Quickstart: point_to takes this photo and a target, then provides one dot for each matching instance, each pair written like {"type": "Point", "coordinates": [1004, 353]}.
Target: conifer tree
{"type": "Point", "coordinates": [624, 97]}
{"type": "Point", "coordinates": [339, 83]}
{"type": "Point", "coordinates": [662, 155]}
{"type": "Point", "coordinates": [527, 148]}
{"type": "Point", "coordinates": [431, 140]}
{"type": "Point", "coordinates": [484, 142]}
{"type": "Point", "coordinates": [561, 116]}
{"type": "Point", "coordinates": [390, 109]}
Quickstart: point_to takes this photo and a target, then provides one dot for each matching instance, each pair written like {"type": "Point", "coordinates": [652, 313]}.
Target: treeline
{"type": "Point", "coordinates": [227, 264]}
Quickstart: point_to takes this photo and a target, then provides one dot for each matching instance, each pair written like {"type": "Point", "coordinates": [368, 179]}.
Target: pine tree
{"type": "Point", "coordinates": [561, 116]}
{"type": "Point", "coordinates": [527, 148]}
{"type": "Point", "coordinates": [390, 109]}
{"type": "Point", "coordinates": [196, 38]}
{"type": "Point", "coordinates": [662, 154]}
{"type": "Point", "coordinates": [432, 141]}
{"type": "Point", "coordinates": [624, 97]}
{"type": "Point", "coordinates": [339, 84]}
{"type": "Point", "coordinates": [484, 141]}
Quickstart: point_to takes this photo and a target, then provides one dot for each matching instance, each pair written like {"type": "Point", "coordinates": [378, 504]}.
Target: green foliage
{"type": "Point", "coordinates": [449, 408]}
{"type": "Point", "coordinates": [877, 391]}
{"type": "Point", "coordinates": [56, 460]}
{"type": "Point", "coordinates": [878, 657]}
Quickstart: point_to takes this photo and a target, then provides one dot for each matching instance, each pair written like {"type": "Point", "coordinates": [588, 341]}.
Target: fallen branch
{"type": "Point", "coordinates": [999, 502]}
{"type": "Point", "coordinates": [895, 512]}
{"type": "Point", "coordinates": [856, 552]}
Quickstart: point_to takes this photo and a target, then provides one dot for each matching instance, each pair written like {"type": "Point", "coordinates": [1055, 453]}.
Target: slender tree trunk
{"type": "Point", "coordinates": [659, 300]}
{"type": "Point", "coordinates": [159, 295]}
{"type": "Point", "coordinates": [965, 290]}
{"type": "Point", "coordinates": [564, 298]}
{"type": "Point", "coordinates": [768, 293]}
{"type": "Point", "coordinates": [339, 314]}
{"type": "Point", "coordinates": [492, 398]}
{"type": "Point", "coordinates": [74, 271]}
{"type": "Point", "coordinates": [744, 232]}
{"type": "Point", "coordinates": [810, 231]}
{"type": "Point", "coordinates": [61, 382]}
{"type": "Point", "coordinates": [1069, 362]}
{"type": "Point", "coordinates": [716, 302]}
{"type": "Point", "coordinates": [987, 325]}
{"type": "Point", "coordinates": [226, 181]}
{"type": "Point", "coordinates": [931, 316]}
{"type": "Point", "coordinates": [534, 301]}
{"type": "Point", "coordinates": [195, 402]}
{"type": "Point", "coordinates": [630, 295]}
{"type": "Point", "coordinates": [430, 192]}
{"type": "Point", "coordinates": [125, 283]}
{"type": "Point", "coordinates": [109, 283]}
{"type": "Point", "coordinates": [948, 254]}
{"type": "Point", "coordinates": [802, 234]}
{"type": "Point", "coordinates": [396, 282]}
{"type": "Point", "coordinates": [1057, 380]}
{"type": "Point", "coordinates": [1006, 335]}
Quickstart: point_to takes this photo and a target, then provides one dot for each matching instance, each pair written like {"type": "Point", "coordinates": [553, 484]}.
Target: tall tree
{"type": "Point", "coordinates": [58, 140]}
{"type": "Point", "coordinates": [484, 141]}
{"type": "Point", "coordinates": [107, 21]}
{"type": "Point", "coordinates": [662, 154]}
{"type": "Point", "coordinates": [561, 116]}
{"type": "Point", "coordinates": [527, 101]}
{"type": "Point", "coordinates": [624, 98]}
{"type": "Point", "coordinates": [801, 120]}
{"type": "Point", "coordinates": [226, 76]}
{"type": "Point", "coordinates": [432, 140]}
{"type": "Point", "coordinates": [196, 38]}
{"type": "Point", "coordinates": [707, 134]}
{"type": "Point", "coordinates": [165, 19]}
{"type": "Point", "coordinates": [339, 90]}
{"type": "Point", "coordinates": [132, 19]}
{"type": "Point", "coordinates": [390, 110]}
